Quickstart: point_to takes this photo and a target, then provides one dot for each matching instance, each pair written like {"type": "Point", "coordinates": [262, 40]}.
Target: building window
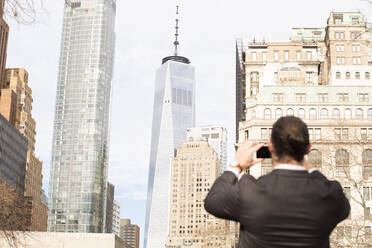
{"type": "Point", "coordinates": [310, 130]}
{"type": "Point", "coordinates": [343, 97]}
{"type": "Point", "coordinates": [246, 134]}
{"type": "Point", "coordinates": [336, 114]}
{"type": "Point", "coordinates": [286, 55]}
{"type": "Point", "coordinates": [338, 60]}
{"type": "Point", "coordinates": [359, 114]}
{"type": "Point", "coordinates": [309, 77]}
{"type": "Point", "coordinates": [254, 76]}
{"type": "Point", "coordinates": [278, 113]}
{"type": "Point", "coordinates": [300, 97]}
{"type": "Point", "coordinates": [363, 133]}
{"type": "Point", "coordinates": [356, 47]}
{"type": "Point", "coordinates": [312, 114]}
{"type": "Point", "coordinates": [367, 163]}
{"type": "Point", "coordinates": [276, 55]}
{"type": "Point", "coordinates": [369, 114]}
{"type": "Point", "coordinates": [324, 113]}
{"type": "Point", "coordinates": [318, 134]}
{"type": "Point", "coordinates": [308, 55]}
{"type": "Point", "coordinates": [343, 60]}
{"type": "Point", "coordinates": [337, 35]}
{"type": "Point", "coordinates": [363, 97]}
{"type": "Point", "coordinates": [323, 97]}
{"type": "Point", "coordinates": [342, 35]}
{"type": "Point", "coordinates": [267, 114]}
{"type": "Point", "coordinates": [254, 56]}
{"type": "Point", "coordinates": [301, 113]}
{"type": "Point", "coordinates": [367, 75]}
{"type": "Point", "coordinates": [338, 21]}
{"type": "Point", "coordinates": [347, 114]}
{"type": "Point", "coordinates": [278, 97]}
{"type": "Point", "coordinates": [347, 75]}
{"type": "Point", "coordinates": [264, 133]}
{"type": "Point", "coordinates": [276, 77]}
{"type": "Point", "coordinates": [357, 60]}
{"type": "Point", "coordinates": [357, 75]}
{"type": "Point", "coordinates": [367, 192]}
{"type": "Point", "coordinates": [290, 112]}
{"type": "Point", "coordinates": [315, 158]}
{"type": "Point", "coordinates": [298, 55]}
{"type": "Point", "coordinates": [355, 20]}
{"type": "Point", "coordinates": [345, 133]}
{"type": "Point", "coordinates": [264, 56]}
{"type": "Point", "coordinates": [338, 75]}
{"type": "Point", "coordinates": [342, 163]}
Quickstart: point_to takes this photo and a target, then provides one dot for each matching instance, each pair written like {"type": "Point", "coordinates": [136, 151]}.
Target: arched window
{"type": "Point", "coordinates": [336, 113]}
{"type": "Point", "coordinates": [359, 114]}
{"type": "Point", "coordinates": [347, 114]}
{"type": "Point", "coordinates": [357, 75]}
{"type": "Point", "coordinates": [301, 113]}
{"type": "Point", "coordinates": [367, 163]}
{"type": "Point", "coordinates": [267, 114]}
{"type": "Point", "coordinates": [342, 162]}
{"type": "Point", "coordinates": [278, 113]}
{"type": "Point", "coordinates": [347, 75]}
{"type": "Point", "coordinates": [315, 158]}
{"type": "Point", "coordinates": [338, 75]}
{"type": "Point", "coordinates": [290, 112]}
{"type": "Point", "coordinates": [369, 114]}
{"type": "Point", "coordinates": [324, 113]}
{"type": "Point", "coordinates": [312, 114]}
{"type": "Point", "coordinates": [367, 76]}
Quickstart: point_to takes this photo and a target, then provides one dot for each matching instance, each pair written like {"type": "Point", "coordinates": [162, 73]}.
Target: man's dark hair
{"type": "Point", "coordinates": [290, 137]}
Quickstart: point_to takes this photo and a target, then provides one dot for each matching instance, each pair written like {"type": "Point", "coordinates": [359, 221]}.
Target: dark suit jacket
{"type": "Point", "coordinates": [284, 208]}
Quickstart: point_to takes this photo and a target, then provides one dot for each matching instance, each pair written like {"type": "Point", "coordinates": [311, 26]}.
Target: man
{"type": "Point", "coordinates": [293, 206]}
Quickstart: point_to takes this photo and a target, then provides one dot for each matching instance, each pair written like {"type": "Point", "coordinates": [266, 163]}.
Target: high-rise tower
{"type": "Point", "coordinates": [174, 112]}
{"type": "Point", "coordinates": [78, 178]}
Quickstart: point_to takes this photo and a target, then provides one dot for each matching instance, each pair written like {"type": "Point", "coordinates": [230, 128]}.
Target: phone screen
{"type": "Point", "coordinates": [263, 152]}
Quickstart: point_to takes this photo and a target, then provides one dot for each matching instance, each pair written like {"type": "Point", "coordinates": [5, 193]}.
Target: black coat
{"type": "Point", "coordinates": [284, 208]}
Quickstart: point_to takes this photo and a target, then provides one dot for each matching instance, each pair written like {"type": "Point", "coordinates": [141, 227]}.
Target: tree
{"type": "Point", "coordinates": [13, 216]}
{"type": "Point", "coordinates": [23, 11]}
{"type": "Point", "coordinates": [348, 159]}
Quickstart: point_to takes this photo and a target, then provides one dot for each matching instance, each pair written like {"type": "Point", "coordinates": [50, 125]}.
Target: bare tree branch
{"type": "Point", "coordinates": [23, 11]}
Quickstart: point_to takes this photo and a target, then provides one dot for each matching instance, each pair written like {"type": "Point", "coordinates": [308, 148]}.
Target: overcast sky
{"type": "Point", "coordinates": [144, 31]}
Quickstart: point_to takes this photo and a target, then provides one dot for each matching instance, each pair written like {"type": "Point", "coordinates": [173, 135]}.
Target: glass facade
{"type": "Point", "coordinates": [13, 154]}
{"type": "Point", "coordinates": [174, 112]}
{"type": "Point", "coordinates": [78, 178]}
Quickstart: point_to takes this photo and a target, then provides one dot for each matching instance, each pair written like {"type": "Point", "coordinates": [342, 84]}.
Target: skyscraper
{"type": "Point", "coordinates": [130, 233]}
{"type": "Point", "coordinates": [193, 172]}
{"type": "Point", "coordinates": [173, 113]}
{"type": "Point", "coordinates": [78, 178]}
{"type": "Point", "coordinates": [217, 139]}
{"type": "Point", "coordinates": [16, 80]}
{"type": "Point", "coordinates": [4, 32]}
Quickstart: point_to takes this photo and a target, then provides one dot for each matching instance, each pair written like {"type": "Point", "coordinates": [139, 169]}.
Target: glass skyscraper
{"type": "Point", "coordinates": [174, 112]}
{"type": "Point", "coordinates": [78, 178]}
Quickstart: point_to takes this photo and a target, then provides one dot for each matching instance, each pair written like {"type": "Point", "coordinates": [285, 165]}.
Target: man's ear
{"type": "Point", "coordinates": [271, 147]}
{"type": "Point", "coordinates": [308, 148]}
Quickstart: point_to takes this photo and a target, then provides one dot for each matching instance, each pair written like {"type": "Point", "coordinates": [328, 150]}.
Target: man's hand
{"type": "Point", "coordinates": [246, 153]}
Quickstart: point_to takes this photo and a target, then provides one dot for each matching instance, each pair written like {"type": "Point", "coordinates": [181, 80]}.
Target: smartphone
{"type": "Point", "coordinates": [264, 152]}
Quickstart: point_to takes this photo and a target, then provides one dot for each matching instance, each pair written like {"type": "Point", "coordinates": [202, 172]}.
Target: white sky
{"type": "Point", "coordinates": [144, 36]}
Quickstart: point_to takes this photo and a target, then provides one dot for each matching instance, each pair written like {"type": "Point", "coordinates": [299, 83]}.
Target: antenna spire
{"type": "Point", "coordinates": [176, 43]}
